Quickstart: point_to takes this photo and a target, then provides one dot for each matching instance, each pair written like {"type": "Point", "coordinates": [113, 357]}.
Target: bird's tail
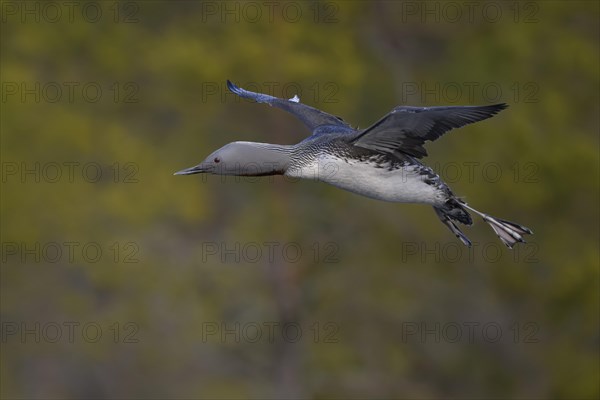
{"type": "Point", "coordinates": [509, 233]}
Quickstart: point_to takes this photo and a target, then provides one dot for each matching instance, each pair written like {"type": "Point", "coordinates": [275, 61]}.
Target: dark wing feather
{"type": "Point", "coordinates": [406, 129]}
{"type": "Point", "coordinates": [311, 117]}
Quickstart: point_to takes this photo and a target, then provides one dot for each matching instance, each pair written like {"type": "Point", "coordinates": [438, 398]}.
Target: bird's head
{"type": "Point", "coordinates": [243, 159]}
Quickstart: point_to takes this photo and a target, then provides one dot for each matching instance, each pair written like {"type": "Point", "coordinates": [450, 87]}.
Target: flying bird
{"type": "Point", "coordinates": [380, 162]}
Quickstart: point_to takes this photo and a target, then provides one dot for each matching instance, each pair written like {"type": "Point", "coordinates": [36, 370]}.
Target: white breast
{"type": "Point", "coordinates": [404, 185]}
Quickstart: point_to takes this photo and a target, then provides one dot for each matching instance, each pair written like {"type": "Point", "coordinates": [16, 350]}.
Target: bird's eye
{"type": "Point", "coordinates": [217, 160]}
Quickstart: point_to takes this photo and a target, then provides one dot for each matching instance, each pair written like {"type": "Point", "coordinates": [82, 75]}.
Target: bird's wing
{"type": "Point", "coordinates": [405, 129]}
{"type": "Point", "coordinates": [311, 117]}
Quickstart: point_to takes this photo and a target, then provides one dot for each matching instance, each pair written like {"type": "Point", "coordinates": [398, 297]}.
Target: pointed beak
{"type": "Point", "coordinates": [198, 169]}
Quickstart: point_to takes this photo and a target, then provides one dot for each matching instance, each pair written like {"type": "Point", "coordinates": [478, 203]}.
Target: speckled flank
{"type": "Point", "coordinates": [384, 177]}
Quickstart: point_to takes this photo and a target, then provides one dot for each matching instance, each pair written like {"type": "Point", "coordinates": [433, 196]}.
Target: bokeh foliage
{"type": "Point", "coordinates": [357, 65]}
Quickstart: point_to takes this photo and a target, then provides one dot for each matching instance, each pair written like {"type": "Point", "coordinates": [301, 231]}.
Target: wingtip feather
{"type": "Point", "coordinates": [232, 87]}
{"type": "Point", "coordinates": [499, 107]}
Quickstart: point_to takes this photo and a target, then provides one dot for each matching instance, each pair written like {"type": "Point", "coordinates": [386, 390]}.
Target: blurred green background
{"type": "Point", "coordinates": [120, 280]}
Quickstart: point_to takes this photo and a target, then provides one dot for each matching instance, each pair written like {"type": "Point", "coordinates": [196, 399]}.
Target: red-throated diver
{"type": "Point", "coordinates": [380, 162]}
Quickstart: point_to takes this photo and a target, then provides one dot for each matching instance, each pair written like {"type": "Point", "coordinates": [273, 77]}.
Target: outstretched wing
{"type": "Point", "coordinates": [311, 117]}
{"type": "Point", "coordinates": [406, 129]}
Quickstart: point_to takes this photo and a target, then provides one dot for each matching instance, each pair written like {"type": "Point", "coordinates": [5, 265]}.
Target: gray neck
{"type": "Point", "coordinates": [261, 159]}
